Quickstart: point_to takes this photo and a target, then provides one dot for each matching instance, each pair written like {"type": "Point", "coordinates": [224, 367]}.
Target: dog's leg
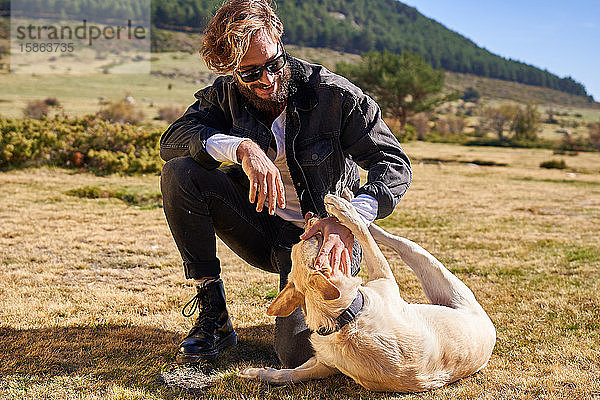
{"type": "Point", "coordinates": [439, 284]}
{"type": "Point", "coordinates": [377, 265]}
{"type": "Point", "coordinates": [311, 369]}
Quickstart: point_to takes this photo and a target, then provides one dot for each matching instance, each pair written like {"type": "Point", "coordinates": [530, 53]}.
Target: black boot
{"type": "Point", "coordinates": [212, 331]}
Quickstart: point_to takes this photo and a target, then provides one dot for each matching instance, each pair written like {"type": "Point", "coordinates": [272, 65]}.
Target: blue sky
{"type": "Point", "coordinates": [560, 36]}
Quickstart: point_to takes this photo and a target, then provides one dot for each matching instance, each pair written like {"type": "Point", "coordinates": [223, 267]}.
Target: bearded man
{"type": "Point", "coordinates": [289, 132]}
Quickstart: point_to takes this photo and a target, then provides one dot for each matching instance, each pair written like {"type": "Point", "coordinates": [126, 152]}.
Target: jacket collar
{"type": "Point", "coordinates": [302, 92]}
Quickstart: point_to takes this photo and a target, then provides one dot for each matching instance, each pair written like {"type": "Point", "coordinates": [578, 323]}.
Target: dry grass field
{"type": "Point", "coordinates": [91, 289]}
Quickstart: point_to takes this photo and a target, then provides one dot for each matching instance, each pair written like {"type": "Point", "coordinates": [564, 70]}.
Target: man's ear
{"type": "Point", "coordinates": [286, 301]}
{"type": "Point", "coordinates": [320, 283]}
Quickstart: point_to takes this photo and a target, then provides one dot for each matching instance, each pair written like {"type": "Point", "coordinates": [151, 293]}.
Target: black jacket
{"type": "Point", "coordinates": [331, 126]}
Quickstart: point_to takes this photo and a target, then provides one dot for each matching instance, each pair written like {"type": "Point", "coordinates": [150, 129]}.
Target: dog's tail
{"type": "Point", "coordinates": [439, 284]}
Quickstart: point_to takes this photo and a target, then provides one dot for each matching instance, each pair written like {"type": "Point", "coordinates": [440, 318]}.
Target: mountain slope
{"type": "Point", "coordinates": [366, 25]}
{"type": "Point", "coordinates": [351, 26]}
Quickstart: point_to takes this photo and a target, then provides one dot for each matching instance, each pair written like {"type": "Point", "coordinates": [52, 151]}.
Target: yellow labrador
{"type": "Point", "coordinates": [368, 332]}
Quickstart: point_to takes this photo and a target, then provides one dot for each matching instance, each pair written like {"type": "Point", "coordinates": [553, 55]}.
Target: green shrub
{"type": "Point", "coordinates": [471, 94]}
{"type": "Point", "coordinates": [554, 164]}
{"type": "Point", "coordinates": [62, 141]}
{"type": "Point", "coordinates": [409, 133]}
{"type": "Point", "coordinates": [127, 195]}
{"type": "Point", "coordinates": [86, 192]}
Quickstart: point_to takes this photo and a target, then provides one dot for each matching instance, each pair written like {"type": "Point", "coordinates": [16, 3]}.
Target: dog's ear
{"type": "Point", "coordinates": [286, 301]}
{"type": "Point", "coordinates": [319, 282]}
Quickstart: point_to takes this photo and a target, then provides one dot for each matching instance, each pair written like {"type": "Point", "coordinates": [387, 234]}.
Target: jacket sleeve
{"type": "Point", "coordinates": [371, 145]}
{"type": "Point", "coordinates": [187, 136]}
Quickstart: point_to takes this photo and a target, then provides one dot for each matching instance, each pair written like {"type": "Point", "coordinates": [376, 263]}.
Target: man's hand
{"type": "Point", "coordinates": [265, 179]}
{"type": "Point", "coordinates": [337, 243]}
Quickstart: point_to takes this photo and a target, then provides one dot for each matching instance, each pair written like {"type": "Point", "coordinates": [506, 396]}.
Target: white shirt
{"type": "Point", "coordinates": [223, 148]}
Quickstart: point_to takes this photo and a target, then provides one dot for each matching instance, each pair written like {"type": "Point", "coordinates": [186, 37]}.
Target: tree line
{"type": "Point", "coordinates": [355, 26]}
{"type": "Point", "coordinates": [377, 25]}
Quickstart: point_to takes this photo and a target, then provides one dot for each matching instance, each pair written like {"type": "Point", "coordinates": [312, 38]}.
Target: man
{"type": "Point", "coordinates": [293, 132]}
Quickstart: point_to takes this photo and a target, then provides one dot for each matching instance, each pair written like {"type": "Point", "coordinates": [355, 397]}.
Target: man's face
{"type": "Point", "coordinates": [270, 91]}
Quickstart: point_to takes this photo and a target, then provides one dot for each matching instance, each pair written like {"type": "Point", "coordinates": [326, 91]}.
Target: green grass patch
{"type": "Point", "coordinates": [554, 164]}
{"type": "Point", "coordinates": [582, 255]}
{"type": "Point", "coordinates": [131, 196]}
{"type": "Point", "coordinates": [570, 254]}
{"type": "Point", "coordinates": [271, 294]}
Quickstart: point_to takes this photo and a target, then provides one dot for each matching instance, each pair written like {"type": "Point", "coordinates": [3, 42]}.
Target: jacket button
{"type": "Point", "coordinates": [314, 156]}
{"type": "Point", "coordinates": [298, 184]}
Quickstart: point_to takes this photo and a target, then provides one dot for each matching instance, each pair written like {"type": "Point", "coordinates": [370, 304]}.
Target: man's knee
{"type": "Point", "coordinates": [184, 177]}
{"type": "Point", "coordinates": [178, 170]}
{"type": "Point", "coordinates": [292, 340]}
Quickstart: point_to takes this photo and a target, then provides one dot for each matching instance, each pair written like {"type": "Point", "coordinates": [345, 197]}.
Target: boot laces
{"type": "Point", "coordinates": [206, 319]}
{"type": "Point", "coordinates": [193, 305]}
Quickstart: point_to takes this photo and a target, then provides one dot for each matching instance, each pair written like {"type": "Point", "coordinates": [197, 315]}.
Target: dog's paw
{"type": "Point", "coordinates": [269, 375]}
{"type": "Point", "coordinates": [252, 373]}
{"type": "Point", "coordinates": [343, 210]}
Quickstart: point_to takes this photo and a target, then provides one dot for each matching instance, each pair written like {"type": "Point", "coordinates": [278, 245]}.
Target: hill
{"type": "Point", "coordinates": [359, 26]}
{"type": "Point", "coordinates": [345, 25]}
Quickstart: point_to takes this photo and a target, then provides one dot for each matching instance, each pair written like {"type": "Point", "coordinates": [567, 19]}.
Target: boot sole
{"type": "Point", "coordinates": [227, 341]}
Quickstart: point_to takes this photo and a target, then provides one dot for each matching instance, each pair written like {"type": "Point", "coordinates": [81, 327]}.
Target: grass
{"type": "Point", "coordinates": [513, 91]}
{"type": "Point", "coordinates": [92, 286]}
{"type": "Point", "coordinates": [174, 78]}
{"type": "Point", "coordinates": [138, 197]}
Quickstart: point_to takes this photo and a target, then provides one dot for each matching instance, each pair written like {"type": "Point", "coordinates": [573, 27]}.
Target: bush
{"type": "Point", "coordinates": [406, 135]}
{"type": "Point", "coordinates": [36, 109]}
{"type": "Point", "coordinates": [52, 102]}
{"type": "Point", "coordinates": [450, 125]}
{"type": "Point", "coordinates": [420, 122]}
{"type": "Point", "coordinates": [84, 142]}
{"type": "Point", "coordinates": [594, 135]}
{"type": "Point", "coordinates": [554, 164]}
{"type": "Point", "coordinates": [122, 112]}
{"type": "Point", "coordinates": [525, 124]}
{"type": "Point", "coordinates": [170, 113]}
{"type": "Point", "coordinates": [470, 94]}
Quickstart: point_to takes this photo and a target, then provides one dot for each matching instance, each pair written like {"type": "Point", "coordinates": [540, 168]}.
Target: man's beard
{"type": "Point", "coordinates": [276, 99]}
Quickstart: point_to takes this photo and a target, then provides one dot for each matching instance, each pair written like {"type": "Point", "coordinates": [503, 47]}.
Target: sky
{"type": "Point", "coordinates": [560, 36]}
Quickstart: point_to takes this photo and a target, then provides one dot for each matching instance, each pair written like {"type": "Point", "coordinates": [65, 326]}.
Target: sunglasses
{"type": "Point", "coordinates": [273, 66]}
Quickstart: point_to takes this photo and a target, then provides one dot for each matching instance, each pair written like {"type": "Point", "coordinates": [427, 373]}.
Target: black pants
{"type": "Point", "coordinates": [200, 203]}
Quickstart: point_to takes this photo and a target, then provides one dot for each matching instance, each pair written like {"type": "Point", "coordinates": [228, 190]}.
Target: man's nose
{"type": "Point", "coordinates": [267, 78]}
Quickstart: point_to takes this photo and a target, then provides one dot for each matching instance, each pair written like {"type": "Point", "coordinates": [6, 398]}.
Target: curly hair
{"type": "Point", "coordinates": [227, 35]}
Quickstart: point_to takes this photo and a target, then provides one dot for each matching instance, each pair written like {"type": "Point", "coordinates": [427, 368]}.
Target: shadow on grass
{"type": "Point", "coordinates": [141, 357]}
{"type": "Point", "coordinates": [122, 355]}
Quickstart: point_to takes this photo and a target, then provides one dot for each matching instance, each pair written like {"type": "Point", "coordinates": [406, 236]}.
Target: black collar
{"type": "Point", "coordinates": [345, 317]}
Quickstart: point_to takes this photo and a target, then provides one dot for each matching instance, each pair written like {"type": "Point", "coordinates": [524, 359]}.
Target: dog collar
{"type": "Point", "coordinates": [347, 316]}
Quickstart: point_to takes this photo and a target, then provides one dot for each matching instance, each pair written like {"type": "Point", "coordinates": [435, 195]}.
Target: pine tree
{"type": "Point", "coordinates": [402, 84]}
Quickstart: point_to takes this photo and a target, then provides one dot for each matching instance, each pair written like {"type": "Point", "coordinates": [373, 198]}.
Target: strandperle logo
{"type": "Point", "coordinates": [80, 36]}
{"type": "Point", "coordinates": [85, 31]}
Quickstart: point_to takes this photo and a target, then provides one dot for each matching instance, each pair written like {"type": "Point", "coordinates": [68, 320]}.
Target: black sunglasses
{"type": "Point", "coordinates": [273, 66]}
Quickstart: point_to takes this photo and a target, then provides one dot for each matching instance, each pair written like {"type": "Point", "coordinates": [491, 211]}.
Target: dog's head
{"type": "Point", "coordinates": [304, 278]}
